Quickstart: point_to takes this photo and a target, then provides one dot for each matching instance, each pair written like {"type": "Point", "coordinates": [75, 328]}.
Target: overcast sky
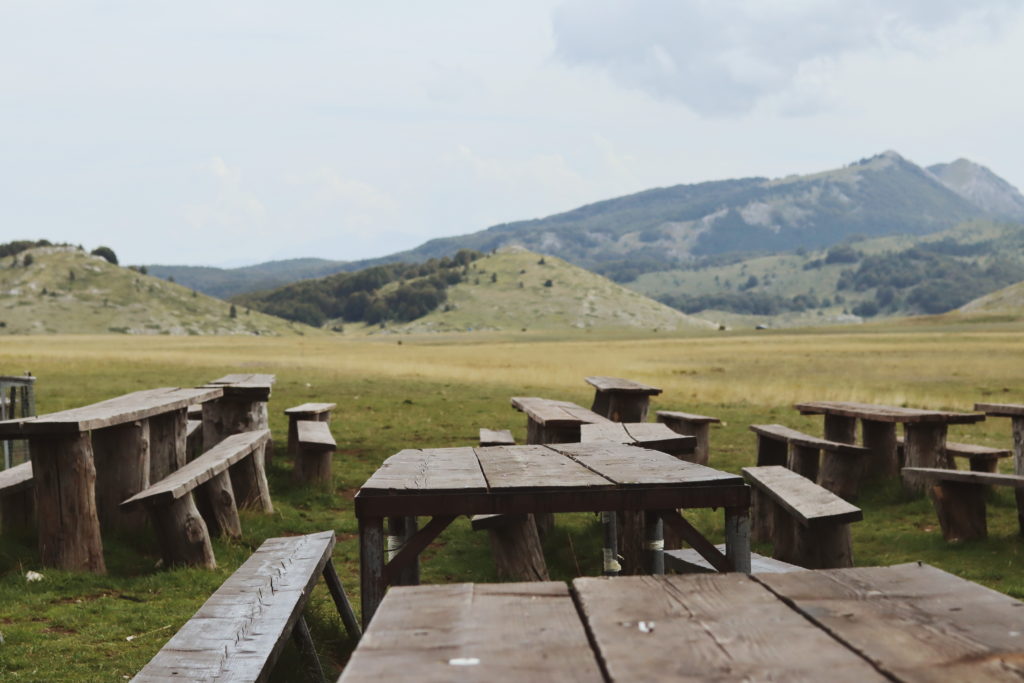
{"type": "Point", "coordinates": [231, 132]}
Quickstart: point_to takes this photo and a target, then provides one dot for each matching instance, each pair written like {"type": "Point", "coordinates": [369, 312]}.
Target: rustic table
{"type": "Point", "coordinates": [551, 421]}
{"type": "Point", "coordinates": [924, 430]}
{"type": "Point", "coordinates": [909, 622]}
{"type": "Point", "coordinates": [87, 460]}
{"type": "Point", "coordinates": [444, 483]}
{"type": "Point", "coordinates": [621, 400]}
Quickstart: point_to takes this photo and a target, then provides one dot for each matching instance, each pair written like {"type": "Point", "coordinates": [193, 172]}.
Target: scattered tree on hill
{"type": "Point", "coordinates": [233, 312]}
{"type": "Point", "coordinates": [549, 283]}
{"type": "Point", "coordinates": [494, 277]}
{"type": "Point", "coordinates": [106, 253]}
{"type": "Point", "coordinates": [27, 260]}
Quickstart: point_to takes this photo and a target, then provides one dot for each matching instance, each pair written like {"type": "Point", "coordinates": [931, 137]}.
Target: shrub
{"type": "Point", "coordinates": [106, 253]}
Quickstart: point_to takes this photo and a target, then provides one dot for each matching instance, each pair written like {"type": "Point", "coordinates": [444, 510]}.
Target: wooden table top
{"type": "Point", "coordinates": [138, 405]}
{"type": "Point", "coordinates": [552, 413]}
{"type": "Point", "coordinates": [534, 478]}
{"type": "Point", "coordinates": [906, 622]}
{"type": "Point", "coordinates": [884, 413]}
{"type": "Point", "coordinates": [245, 386]}
{"type": "Point", "coordinates": [625, 386]}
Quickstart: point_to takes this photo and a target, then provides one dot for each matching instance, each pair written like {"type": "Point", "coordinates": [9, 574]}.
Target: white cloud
{"type": "Point", "coordinates": [724, 57]}
{"type": "Point", "coordinates": [232, 210]}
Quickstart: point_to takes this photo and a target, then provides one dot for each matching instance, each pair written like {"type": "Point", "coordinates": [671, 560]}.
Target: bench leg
{"type": "Point", "coordinates": [341, 602]}
{"type": "Point", "coordinates": [824, 546]}
{"type": "Point", "coordinates": [64, 479]}
{"type": "Point", "coordinates": [771, 451]}
{"type": "Point", "coordinates": [216, 502]}
{"type": "Point", "coordinates": [121, 455]}
{"type": "Point", "coordinates": [168, 443]}
{"type": "Point", "coordinates": [804, 461]}
{"type": "Point", "coordinates": [883, 461]}
{"type": "Point", "coordinates": [518, 555]}
{"type": "Point", "coordinates": [371, 565]}
{"type": "Point", "coordinates": [304, 639]}
{"type": "Point", "coordinates": [313, 465]}
{"type": "Point", "coordinates": [763, 514]}
{"type": "Point", "coordinates": [631, 541]}
{"type": "Point", "coordinates": [783, 535]}
{"type": "Point", "coordinates": [182, 534]}
{"type": "Point", "coordinates": [737, 538]}
{"type": "Point", "coordinates": [841, 474]}
{"type": "Point", "coordinates": [960, 507]}
{"type": "Point", "coordinates": [249, 481]}
{"type": "Point", "coordinates": [840, 428]}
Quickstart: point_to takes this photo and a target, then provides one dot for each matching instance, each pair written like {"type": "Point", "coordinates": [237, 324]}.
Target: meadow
{"type": "Point", "coordinates": [397, 392]}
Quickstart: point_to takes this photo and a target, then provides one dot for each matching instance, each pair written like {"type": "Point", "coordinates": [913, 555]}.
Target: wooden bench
{"type": "Point", "coordinates": [239, 632]}
{"type": "Point", "coordinates": [181, 530]}
{"type": "Point", "coordinates": [959, 499]}
{"type": "Point", "coordinates": [651, 435]}
{"type": "Point", "coordinates": [550, 421]}
{"type": "Point", "coordinates": [496, 437]}
{"type": "Point", "coordinates": [17, 504]}
{"type": "Point", "coordinates": [621, 400]}
{"type": "Point", "coordinates": [808, 525]}
{"type": "Point", "coordinates": [316, 447]}
{"type": "Point", "coordinates": [316, 412]}
{"type": "Point", "coordinates": [980, 458]}
{"type": "Point", "coordinates": [241, 408]}
{"type": "Point", "coordinates": [689, 424]}
{"type": "Point", "coordinates": [840, 467]}
{"type": "Point", "coordinates": [689, 561]}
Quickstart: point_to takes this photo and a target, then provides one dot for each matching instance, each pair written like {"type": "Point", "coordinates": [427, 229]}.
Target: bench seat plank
{"type": "Point", "coordinates": [620, 385]}
{"type": "Point", "coordinates": [15, 479]}
{"type": "Point", "coordinates": [307, 409]}
{"type": "Point", "coordinates": [631, 466]}
{"type": "Point", "coordinates": [317, 434]}
{"type": "Point", "coordinates": [689, 561]}
{"type": "Point", "coordinates": [552, 413]}
{"type": "Point", "coordinates": [245, 386]}
{"type": "Point", "coordinates": [672, 415]}
{"type": "Point", "coordinates": [968, 477]}
{"type": "Point", "coordinates": [497, 632]}
{"type": "Point", "coordinates": [720, 627]}
{"type": "Point", "coordinates": [1001, 409]}
{"type": "Point", "coordinates": [241, 629]}
{"type": "Point", "coordinates": [781, 432]}
{"type": "Point", "coordinates": [496, 437]}
{"type": "Point", "coordinates": [883, 413]}
{"type": "Point", "coordinates": [202, 469]}
{"type": "Point", "coordinates": [801, 497]}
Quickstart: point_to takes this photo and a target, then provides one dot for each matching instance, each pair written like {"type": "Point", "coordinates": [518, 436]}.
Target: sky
{"type": "Point", "coordinates": [228, 133]}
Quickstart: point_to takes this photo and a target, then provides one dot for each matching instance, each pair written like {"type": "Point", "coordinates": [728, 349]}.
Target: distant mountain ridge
{"type": "Point", "coordinates": [665, 228]}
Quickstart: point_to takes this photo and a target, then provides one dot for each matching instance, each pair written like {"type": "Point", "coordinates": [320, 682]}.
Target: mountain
{"type": "Point", "coordinates": [63, 290]}
{"type": "Point", "coordinates": [666, 227]}
{"type": "Point", "coordinates": [981, 187]}
{"type": "Point", "coordinates": [225, 283]}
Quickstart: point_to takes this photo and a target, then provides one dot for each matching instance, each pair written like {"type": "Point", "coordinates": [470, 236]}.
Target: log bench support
{"type": "Point", "coordinates": [181, 530]}
{"type": "Point", "coordinates": [17, 499]}
{"type": "Point", "coordinates": [687, 424]}
{"type": "Point", "coordinates": [515, 545]}
{"type": "Point", "coordinates": [810, 525]}
{"type": "Point", "coordinates": [959, 499]}
{"type": "Point", "coordinates": [315, 449]}
{"type": "Point", "coordinates": [834, 465]}
{"type": "Point", "coordinates": [309, 412]}
{"type": "Point", "coordinates": [621, 400]}
{"type": "Point", "coordinates": [239, 632]}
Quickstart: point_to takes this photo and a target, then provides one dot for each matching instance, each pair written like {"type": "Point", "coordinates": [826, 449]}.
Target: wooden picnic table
{"type": "Point", "coordinates": [241, 408]}
{"type": "Point", "coordinates": [87, 460]}
{"type": "Point", "coordinates": [551, 421]}
{"type": "Point", "coordinates": [924, 430]}
{"type": "Point", "coordinates": [909, 622]}
{"type": "Point", "coordinates": [444, 483]}
{"type": "Point", "coordinates": [621, 400]}
{"type": "Point", "coordinates": [1015, 412]}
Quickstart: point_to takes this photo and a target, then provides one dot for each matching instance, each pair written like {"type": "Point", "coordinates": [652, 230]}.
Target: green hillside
{"type": "Point", "coordinates": [225, 283]}
{"type": "Point", "coordinates": [63, 290]}
{"type": "Point", "coordinates": [515, 289]}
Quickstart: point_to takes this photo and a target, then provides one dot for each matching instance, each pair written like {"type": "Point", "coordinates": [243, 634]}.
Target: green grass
{"type": "Point", "coordinates": [436, 391]}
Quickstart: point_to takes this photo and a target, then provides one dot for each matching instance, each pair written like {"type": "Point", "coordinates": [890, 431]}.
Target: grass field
{"type": "Point", "coordinates": [433, 391]}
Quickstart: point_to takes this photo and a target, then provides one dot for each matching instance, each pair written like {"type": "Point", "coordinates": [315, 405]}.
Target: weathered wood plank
{"type": "Point", "coordinates": [442, 470]}
{"type": "Point", "coordinates": [792, 436]}
{"type": "Point", "coordinates": [802, 498]}
{"type": "Point", "coordinates": [534, 467]}
{"type": "Point", "coordinates": [650, 435]}
{"type": "Point", "coordinates": [250, 387]}
{"type": "Point", "coordinates": [128, 408]}
{"type": "Point", "coordinates": [551, 413]}
{"type": "Point", "coordinates": [203, 468]}
{"type": "Point", "coordinates": [496, 437]}
{"type": "Point", "coordinates": [315, 434]}
{"type": "Point", "coordinates": [1001, 409]}
{"type": "Point", "coordinates": [499, 632]}
{"type": "Point", "coordinates": [241, 629]}
{"type": "Point", "coordinates": [884, 413]}
{"type": "Point", "coordinates": [689, 561]}
{"type": "Point", "coordinates": [913, 621]}
{"type": "Point", "coordinates": [967, 476]}
{"type": "Point", "coordinates": [17, 478]}
{"type": "Point", "coordinates": [631, 466]}
{"type": "Point", "coordinates": [626, 386]}
{"type": "Point", "coordinates": [309, 409]}
{"type": "Point", "coordinates": [703, 627]}
{"type": "Point", "coordinates": [671, 416]}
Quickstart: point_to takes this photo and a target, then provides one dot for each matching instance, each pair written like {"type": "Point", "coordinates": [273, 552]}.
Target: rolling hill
{"type": "Point", "coordinates": [63, 290]}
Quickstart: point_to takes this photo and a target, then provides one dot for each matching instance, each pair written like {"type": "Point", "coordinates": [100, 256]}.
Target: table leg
{"type": "Point", "coordinates": [655, 542]}
{"type": "Point", "coordinates": [400, 530]}
{"type": "Point", "coordinates": [737, 538]}
{"type": "Point", "coordinates": [924, 445]}
{"type": "Point", "coordinates": [880, 439]}
{"type": "Point", "coordinates": [64, 477]}
{"type": "Point", "coordinates": [841, 428]}
{"type": "Point", "coordinates": [371, 565]}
